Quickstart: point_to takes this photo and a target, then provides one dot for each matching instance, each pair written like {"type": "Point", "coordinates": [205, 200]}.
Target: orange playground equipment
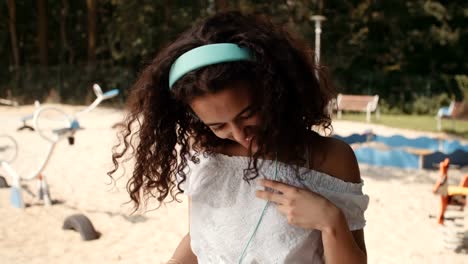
{"type": "Point", "coordinates": [449, 195]}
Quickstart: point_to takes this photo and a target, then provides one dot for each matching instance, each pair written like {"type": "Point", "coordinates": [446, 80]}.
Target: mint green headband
{"type": "Point", "coordinates": [206, 55]}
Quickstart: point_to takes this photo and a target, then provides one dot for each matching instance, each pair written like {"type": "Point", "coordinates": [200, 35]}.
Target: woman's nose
{"type": "Point", "coordinates": [238, 133]}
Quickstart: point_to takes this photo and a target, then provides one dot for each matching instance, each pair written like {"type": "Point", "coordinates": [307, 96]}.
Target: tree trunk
{"type": "Point", "coordinates": [320, 7]}
{"type": "Point", "coordinates": [221, 5]}
{"type": "Point", "coordinates": [42, 31]}
{"type": "Point", "coordinates": [167, 15]}
{"type": "Point", "coordinates": [12, 26]}
{"type": "Point", "coordinates": [63, 33]}
{"type": "Point", "coordinates": [92, 17]}
{"type": "Point", "coordinates": [291, 11]}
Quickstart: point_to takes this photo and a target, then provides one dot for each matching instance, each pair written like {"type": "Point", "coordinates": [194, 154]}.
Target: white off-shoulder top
{"type": "Point", "coordinates": [224, 212]}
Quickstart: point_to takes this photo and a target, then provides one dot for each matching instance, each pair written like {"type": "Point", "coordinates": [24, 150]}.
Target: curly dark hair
{"type": "Point", "coordinates": [283, 81]}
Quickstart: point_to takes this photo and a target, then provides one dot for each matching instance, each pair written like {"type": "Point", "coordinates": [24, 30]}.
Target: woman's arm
{"type": "Point", "coordinates": [183, 253]}
{"type": "Point", "coordinates": [309, 210]}
{"type": "Point", "coordinates": [341, 245]}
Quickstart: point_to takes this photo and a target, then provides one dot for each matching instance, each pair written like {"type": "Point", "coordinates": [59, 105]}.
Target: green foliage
{"type": "Point", "coordinates": [414, 122]}
{"type": "Point", "coordinates": [425, 105]}
{"type": "Point", "coordinates": [462, 82]}
{"type": "Point", "coordinates": [69, 83]}
{"type": "Point", "coordinates": [407, 52]}
{"type": "Point", "coordinates": [420, 105]}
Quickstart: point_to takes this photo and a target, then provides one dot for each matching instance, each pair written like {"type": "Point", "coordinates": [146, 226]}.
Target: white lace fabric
{"type": "Point", "coordinates": [224, 212]}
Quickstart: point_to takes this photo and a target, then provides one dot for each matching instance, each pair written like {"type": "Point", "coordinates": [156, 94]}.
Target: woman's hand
{"type": "Point", "coordinates": [302, 208]}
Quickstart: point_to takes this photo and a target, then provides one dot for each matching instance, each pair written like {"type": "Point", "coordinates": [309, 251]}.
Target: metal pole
{"type": "Point", "coordinates": [318, 30]}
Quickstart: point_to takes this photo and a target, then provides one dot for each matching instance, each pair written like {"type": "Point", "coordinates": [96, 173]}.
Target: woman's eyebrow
{"type": "Point", "coordinates": [239, 114]}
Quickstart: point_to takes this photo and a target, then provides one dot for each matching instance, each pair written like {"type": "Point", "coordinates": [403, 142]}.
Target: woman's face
{"type": "Point", "coordinates": [230, 114]}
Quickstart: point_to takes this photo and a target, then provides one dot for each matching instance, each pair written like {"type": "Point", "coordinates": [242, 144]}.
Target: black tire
{"type": "Point", "coordinates": [3, 182]}
{"type": "Point", "coordinates": [81, 224]}
{"type": "Point", "coordinates": [26, 127]}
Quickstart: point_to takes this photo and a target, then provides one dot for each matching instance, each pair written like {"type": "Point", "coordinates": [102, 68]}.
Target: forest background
{"type": "Point", "coordinates": [413, 54]}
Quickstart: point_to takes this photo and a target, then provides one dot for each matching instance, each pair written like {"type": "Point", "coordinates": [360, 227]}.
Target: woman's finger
{"type": "Point", "coordinates": [278, 186]}
{"type": "Point", "coordinates": [270, 196]}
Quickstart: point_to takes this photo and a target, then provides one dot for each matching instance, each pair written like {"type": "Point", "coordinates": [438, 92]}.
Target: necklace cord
{"type": "Point", "coordinates": [260, 218]}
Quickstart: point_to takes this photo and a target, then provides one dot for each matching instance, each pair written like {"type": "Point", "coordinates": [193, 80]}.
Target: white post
{"type": "Point", "coordinates": [318, 30]}
{"type": "Point", "coordinates": [368, 112]}
{"type": "Point", "coordinates": [338, 103]}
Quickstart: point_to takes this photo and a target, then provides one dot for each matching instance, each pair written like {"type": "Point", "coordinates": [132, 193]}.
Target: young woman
{"type": "Point", "coordinates": [225, 114]}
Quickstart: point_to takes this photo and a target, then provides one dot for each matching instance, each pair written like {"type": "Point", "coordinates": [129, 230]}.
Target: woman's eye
{"type": "Point", "coordinates": [248, 114]}
{"type": "Point", "coordinates": [217, 128]}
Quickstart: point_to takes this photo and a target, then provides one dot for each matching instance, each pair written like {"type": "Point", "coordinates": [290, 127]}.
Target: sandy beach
{"type": "Point", "coordinates": [399, 229]}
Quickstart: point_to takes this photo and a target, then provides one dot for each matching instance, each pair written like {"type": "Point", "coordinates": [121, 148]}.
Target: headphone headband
{"type": "Point", "coordinates": [206, 55]}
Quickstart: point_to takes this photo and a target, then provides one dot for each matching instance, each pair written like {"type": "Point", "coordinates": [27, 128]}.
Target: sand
{"type": "Point", "coordinates": [399, 229]}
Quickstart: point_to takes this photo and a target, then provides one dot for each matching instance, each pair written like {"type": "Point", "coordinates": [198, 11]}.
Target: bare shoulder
{"type": "Point", "coordinates": [334, 157]}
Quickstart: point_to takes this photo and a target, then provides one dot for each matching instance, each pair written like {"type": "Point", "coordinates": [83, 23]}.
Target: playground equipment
{"type": "Point", "coordinates": [53, 129]}
{"type": "Point", "coordinates": [25, 119]}
{"type": "Point", "coordinates": [52, 124]}
{"type": "Point", "coordinates": [8, 152]}
{"type": "Point", "coordinates": [449, 195]}
{"type": "Point", "coordinates": [81, 224]}
{"type": "Point", "coordinates": [399, 151]}
{"type": "Point", "coordinates": [453, 196]}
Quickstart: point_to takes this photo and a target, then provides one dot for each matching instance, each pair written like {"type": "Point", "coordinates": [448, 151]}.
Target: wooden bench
{"type": "Point", "coordinates": [8, 102]}
{"type": "Point", "coordinates": [359, 103]}
{"type": "Point", "coordinates": [455, 111]}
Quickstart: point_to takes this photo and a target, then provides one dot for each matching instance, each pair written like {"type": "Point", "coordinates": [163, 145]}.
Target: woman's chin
{"type": "Point", "coordinates": [251, 145]}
